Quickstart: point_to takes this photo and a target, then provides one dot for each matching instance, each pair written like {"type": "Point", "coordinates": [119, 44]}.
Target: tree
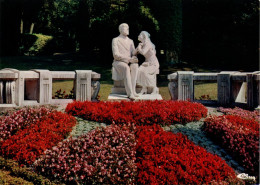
{"type": "Point", "coordinates": [221, 33]}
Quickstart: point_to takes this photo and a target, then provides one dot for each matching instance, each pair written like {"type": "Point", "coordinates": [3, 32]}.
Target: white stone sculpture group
{"type": "Point", "coordinates": [125, 64]}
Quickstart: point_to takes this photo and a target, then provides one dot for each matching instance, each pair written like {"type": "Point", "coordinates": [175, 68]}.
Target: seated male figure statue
{"type": "Point", "coordinates": [125, 62]}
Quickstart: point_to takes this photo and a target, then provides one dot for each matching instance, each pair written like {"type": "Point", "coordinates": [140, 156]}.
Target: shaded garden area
{"type": "Point", "coordinates": [220, 34]}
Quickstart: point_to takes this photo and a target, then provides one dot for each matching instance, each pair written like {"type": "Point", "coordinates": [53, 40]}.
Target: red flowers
{"type": "Point", "coordinates": [29, 143]}
{"type": "Point", "coordinates": [167, 158]}
{"type": "Point", "coordinates": [143, 112]}
{"type": "Point", "coordinates": [240, 136]}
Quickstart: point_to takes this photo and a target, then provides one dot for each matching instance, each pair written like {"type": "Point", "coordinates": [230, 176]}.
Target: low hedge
{"type": "Point", "coordinates": [23, 172]}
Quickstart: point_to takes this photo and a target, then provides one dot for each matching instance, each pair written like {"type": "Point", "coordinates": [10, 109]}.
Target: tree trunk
{"type": "Point", "coordinates": [21, 26]}
{"type": "Point", "coordinates": [31, 28]}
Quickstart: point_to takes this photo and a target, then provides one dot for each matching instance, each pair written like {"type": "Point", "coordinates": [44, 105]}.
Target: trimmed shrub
{"type": "Point", "coordinates": [23, 172]}
{"type": "Point", "coordinates": [140, 113]}
{"type": "Point", "coordinates": [239, 136]}
{"type": "Point", "coordinates": [34, 44]}
{"type": "Point", "coordinates": [103, 156]}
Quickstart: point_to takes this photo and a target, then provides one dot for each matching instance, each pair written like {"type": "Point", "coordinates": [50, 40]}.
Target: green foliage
{"type": "Point", "coordinates": [23, 172]}
{"type": "Point", "coordinates": [221, 32]}
{"type": "Point", "coordinates": [35, 44]}
{"type": "Point", "coordinates": [169, 16]}
{"type": "Point", "coordinates": [6, 178]}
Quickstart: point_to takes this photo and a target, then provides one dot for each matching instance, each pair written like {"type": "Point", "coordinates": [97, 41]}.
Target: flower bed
{"type": "Point", "coordinates": [40, 134]}
{"type": "Point", "coordinates": [239, 136]}
{"type": "Point", "coordinates": [17, 120]}
{"type": "Point", "coordinates": [167, 158]}
{"type": "Point", "coordinates": [255, 115]}
{"type": "Point", "coordinates": [105, 155]}
{"type": "Point", "coordinates": [140, 113]}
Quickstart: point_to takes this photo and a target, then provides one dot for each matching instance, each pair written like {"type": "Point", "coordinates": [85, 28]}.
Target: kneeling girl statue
{"type": "Point", "coordinates": [150, 67]}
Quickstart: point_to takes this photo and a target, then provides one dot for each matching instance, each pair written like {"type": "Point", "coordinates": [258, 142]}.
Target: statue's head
{"type": "Point", "coordinates": [124, 29]}
{"type": "Point", "coordinates": [144, 36]}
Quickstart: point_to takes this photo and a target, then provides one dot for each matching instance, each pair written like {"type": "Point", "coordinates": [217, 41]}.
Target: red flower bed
{"type": "Point", "coordinates": [10, 124]}
{"type": "Point", "coordinates": [142, 112]}
{"type": "Point", "coordinates": [29, 143]}
{"type": "Point", "coordinates": [239, 136]}
{"type": "Point", "coordinates": [103, 156]}
{"type": "Point", "coordinates": [167, 158]}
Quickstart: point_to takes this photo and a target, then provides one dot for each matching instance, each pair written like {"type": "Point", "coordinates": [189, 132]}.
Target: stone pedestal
{"type": "Point", "coordinates": [121, 97]}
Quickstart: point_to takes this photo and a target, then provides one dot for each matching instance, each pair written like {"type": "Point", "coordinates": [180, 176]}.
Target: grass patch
{"type": "Point", "coordinates": [210, 89]}
{"type": "Point", "coordinates": [105, 89]}
{"type": "Point", "coordinates": [64, 85]}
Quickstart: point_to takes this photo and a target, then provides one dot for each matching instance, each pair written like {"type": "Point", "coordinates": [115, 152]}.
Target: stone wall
{"type": "Point", "coordinates": [233, 86]}
{"type": "Point", "coordinates": [34, 87]}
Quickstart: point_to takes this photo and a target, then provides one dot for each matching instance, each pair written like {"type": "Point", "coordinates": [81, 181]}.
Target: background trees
{"type": "Point", "coordinates": [201, 32]}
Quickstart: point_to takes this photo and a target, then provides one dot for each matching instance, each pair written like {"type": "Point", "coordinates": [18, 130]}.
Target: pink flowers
{"type": "Point", "coordinates": [140, 113]}
{"type": "Point", "coordinates": [17, 120]}
{"type": "Point", "coordinates": [105, 155]}
{"type": "Point", "coordinates": [238, 134]}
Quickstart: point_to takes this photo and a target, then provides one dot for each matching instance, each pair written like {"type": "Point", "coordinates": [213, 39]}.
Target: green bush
{"type": "Point", "coordinates": [35, 44]}
{"type": "Point", "coordinates": [6, 178]}
{"type": "Point", "coordinates": [22, 172]}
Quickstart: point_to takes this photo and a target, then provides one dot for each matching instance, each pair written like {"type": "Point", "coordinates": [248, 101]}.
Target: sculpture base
{"type": "Point", "coordinates": [120, 97]}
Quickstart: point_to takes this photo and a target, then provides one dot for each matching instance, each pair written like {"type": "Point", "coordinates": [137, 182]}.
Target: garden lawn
{"type": "Point", "coordinates": [105, 89]}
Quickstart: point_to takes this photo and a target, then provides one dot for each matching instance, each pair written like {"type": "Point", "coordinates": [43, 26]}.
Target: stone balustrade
{"type": "Point", "coordinates": [34, 87]}
{"type": "Point", "coordinates": [232, 86]}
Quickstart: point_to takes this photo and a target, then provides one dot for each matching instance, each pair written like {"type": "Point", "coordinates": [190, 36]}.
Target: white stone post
{"type": "Point", "coordinates": [9, 86]}
{"type": "Point", "coordinates": [173, 86]}
{"type": "Point", "coordinates": [83, 85]}
{"type": "Point", "coordinates": [10, 92]}
{"type": "Point", "coordinates": [239, 92]}
{"type": "Point", "coordinates": [20, 89]}
{"type": "Point", "coordinates": [45, 84]}
{"type": "Point", "coordinates": [253, 89]}
{"type": "Point", "coordinates": [224, 88]}
{"type": "Point", "coordinates": [1, 92]}
{"type": "Point", "coordinates": [185, 85]}
{"type": "Point", "coordinates": [257, 94]}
